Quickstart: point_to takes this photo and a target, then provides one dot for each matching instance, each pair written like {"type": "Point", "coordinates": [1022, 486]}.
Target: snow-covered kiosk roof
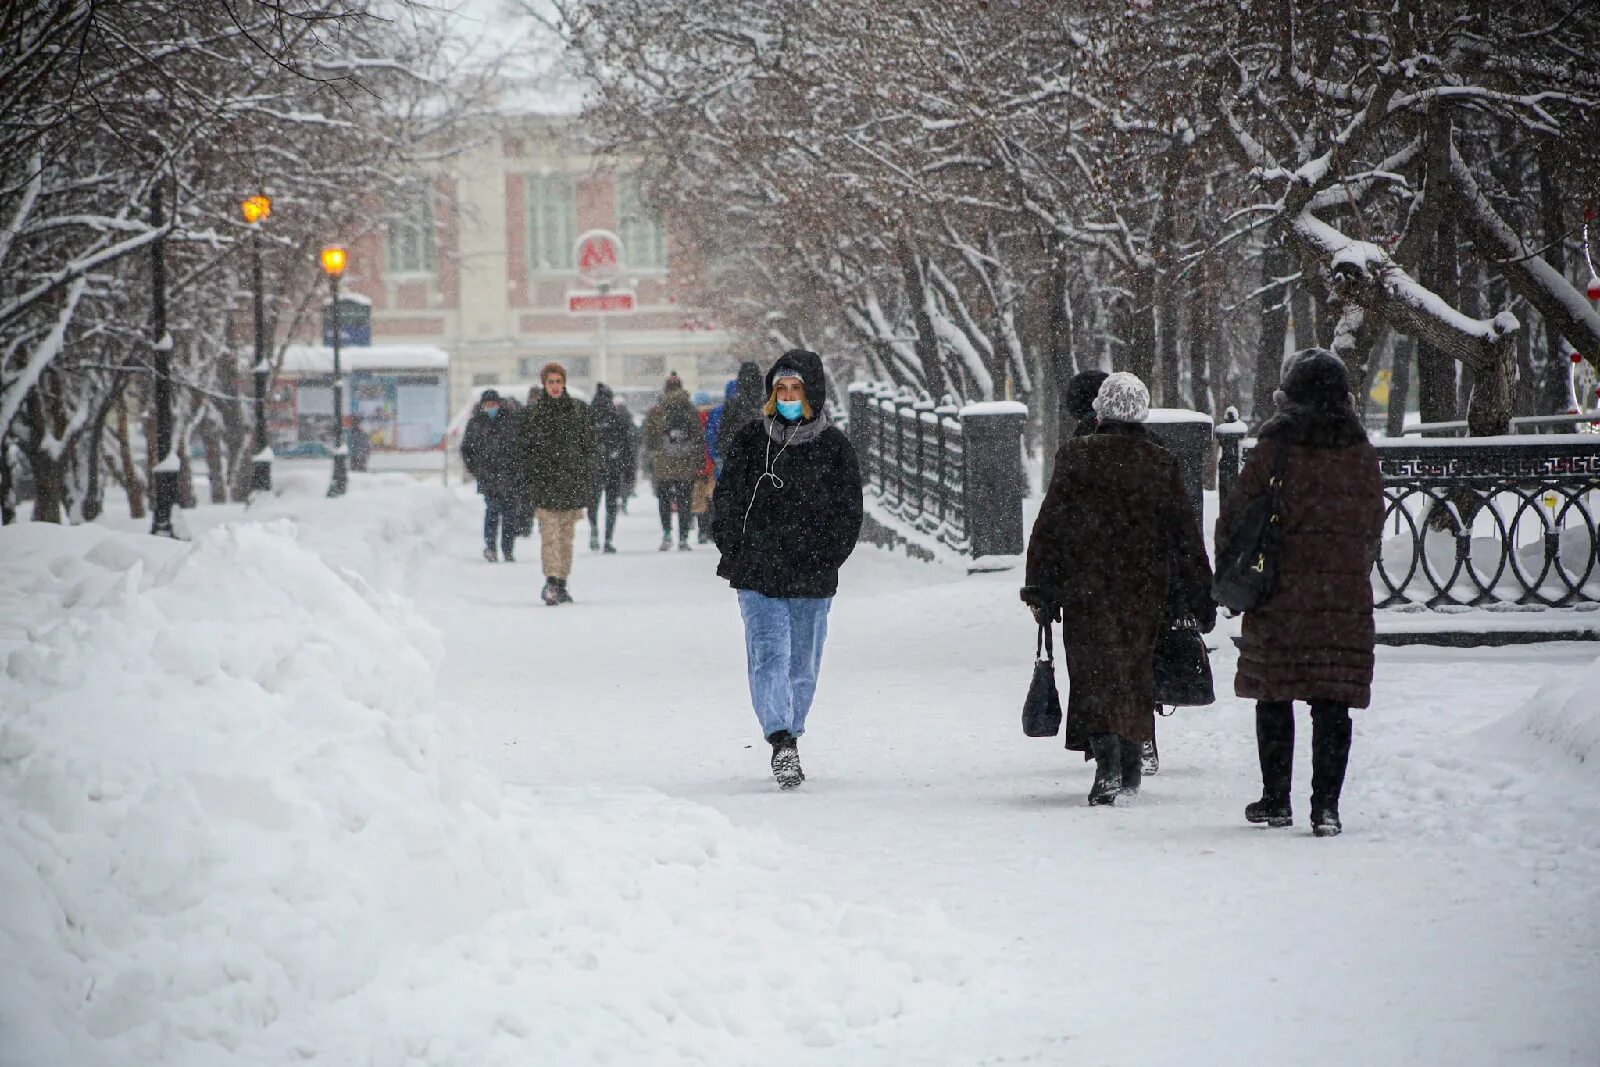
{"type": "Point", "coordinates": [318, 359]}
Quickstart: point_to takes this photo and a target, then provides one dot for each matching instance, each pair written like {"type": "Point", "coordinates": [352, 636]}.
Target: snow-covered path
{"type": "Point", "coordinates": [1455, 922]}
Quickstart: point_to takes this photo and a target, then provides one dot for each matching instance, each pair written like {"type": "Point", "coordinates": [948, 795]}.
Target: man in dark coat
{"type": "Point", "coordinates": [743, 405]}
{"type": "Point", "coordinates": [613, 434]}
{"type": "Point", "coordinates": [489, 451]}
{"type": "Point", "coordinates": [1313, 639]}
{"type": "Point", "coordinates": [786, 515]}
{"type": "Point", "coordinates": [676, 442]}
{"type": "Point", "coordinates": [1115, 537]}
{"type": "Point", "coordinates": [557, 449]}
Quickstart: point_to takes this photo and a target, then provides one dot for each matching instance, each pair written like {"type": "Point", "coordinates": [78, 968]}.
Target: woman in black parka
{"type": "Point", "coordinates": [785, 517]}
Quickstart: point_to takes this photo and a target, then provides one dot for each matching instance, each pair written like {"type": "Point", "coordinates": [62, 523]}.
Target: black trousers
{"type": "Point", "coordinates": [1330, 749]}
{"type": "Point", "coordinates": [500, 513]}
{"type": "Point", "coordinates": [611, 494]}
{"type": "Point", "coordinates": [678, 495]}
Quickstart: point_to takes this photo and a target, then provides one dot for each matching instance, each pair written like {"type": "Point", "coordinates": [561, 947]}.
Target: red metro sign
{"type": "Point", "coordinates": [595, 302]}
{"type": "Point", "coordinates": [598, 254]}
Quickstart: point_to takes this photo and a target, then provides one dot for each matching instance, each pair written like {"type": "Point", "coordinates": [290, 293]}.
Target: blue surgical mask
{"type": "Point", "coordinates": [491, 412]}
{"type": "Point", "coordinates": [789, 409]}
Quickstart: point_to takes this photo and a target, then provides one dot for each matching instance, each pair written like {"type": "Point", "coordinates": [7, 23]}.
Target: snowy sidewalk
{"type": "Point", "coordinates": [1453, 923]}
{"type": "Point", "coordinates": [326, 787]}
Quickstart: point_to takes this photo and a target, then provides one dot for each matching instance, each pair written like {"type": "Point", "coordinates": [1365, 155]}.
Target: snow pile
{"type": "Point", "coordinates": [239, 831]}
{"type": "Point", "coordinates": [1566, 715]}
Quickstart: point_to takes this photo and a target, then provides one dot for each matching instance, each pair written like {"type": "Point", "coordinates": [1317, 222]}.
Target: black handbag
{"type": "Point", "coordinates": [1041, 711]}
{"type": "Point", "coordinates": [1247, 559]}
{"type": "Point", "coordinates": [1183, 667]}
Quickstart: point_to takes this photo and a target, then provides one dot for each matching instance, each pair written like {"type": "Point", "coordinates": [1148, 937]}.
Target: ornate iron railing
{"type": "Point", "coordinates": [1503, 523]}
{"type": "Point", "coordinates": [952, 474]}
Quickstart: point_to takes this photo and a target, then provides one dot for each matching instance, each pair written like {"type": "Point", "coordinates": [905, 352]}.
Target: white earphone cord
{"type": "Point", "coordinates": [771, 461]}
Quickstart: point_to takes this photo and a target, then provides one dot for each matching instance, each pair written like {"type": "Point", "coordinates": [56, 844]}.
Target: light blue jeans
{"type": "Point", "coordinates": [783, 639]}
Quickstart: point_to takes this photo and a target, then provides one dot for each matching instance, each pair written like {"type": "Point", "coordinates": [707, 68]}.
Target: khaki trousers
{"type": "Point", "coordinates": [555, 540]}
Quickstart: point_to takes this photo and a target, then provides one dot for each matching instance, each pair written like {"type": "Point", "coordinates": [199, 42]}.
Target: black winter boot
{"type": "Point", "coordinates": [786, 760]}
{"type": "Point", "coordinates": [1132, 756]}
{"type": "Point", "coordinates": [1107, 750]}
{"type": "Point", "coordinates": [548, 593]}
{"type": "Point", "coordinates": [1275, 749]}
{"type": "Point", "coordinates": [1330, 755]}
{"type": "Point", "coordinates": [562, 596]}
{"type": "Point", "coordinates": [1149, 758]}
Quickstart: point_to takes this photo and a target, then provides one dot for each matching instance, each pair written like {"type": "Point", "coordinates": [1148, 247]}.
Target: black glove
{"type": "Point", "coordinates": [1044, 610]}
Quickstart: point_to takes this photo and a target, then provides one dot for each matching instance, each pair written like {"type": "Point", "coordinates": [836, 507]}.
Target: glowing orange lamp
{"type": "Point", "coordinates": [333, 261]}
{"type": "Point", "coordinates": [255, 208]}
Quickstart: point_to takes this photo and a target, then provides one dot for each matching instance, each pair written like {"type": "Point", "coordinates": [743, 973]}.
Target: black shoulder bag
{"type": "Point", "coordinates": [1247, 561]}
{"type": "Point", "coordinates": [1183, 667]}
{"type": "Point", "coordinates": [1041, 711]}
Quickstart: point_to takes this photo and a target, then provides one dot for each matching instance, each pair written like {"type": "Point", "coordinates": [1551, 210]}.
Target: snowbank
{"type": "Point", "coordinates": [240, 831]}
{"type": "Point", "coordinates": [1566, 715]}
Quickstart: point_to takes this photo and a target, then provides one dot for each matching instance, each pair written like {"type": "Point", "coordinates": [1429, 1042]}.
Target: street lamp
{"type": "Point", "coordinates": [333, 264]}
{"type": "Point", "coordinates": [255, 209]}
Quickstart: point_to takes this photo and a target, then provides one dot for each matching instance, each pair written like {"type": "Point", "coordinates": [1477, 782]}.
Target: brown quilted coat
{"type": "Point", "coordinates": [1313, 639]}
{"type": "Point", "coordinates": [1115, 538]}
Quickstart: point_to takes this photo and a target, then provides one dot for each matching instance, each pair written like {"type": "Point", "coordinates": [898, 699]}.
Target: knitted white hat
{"type": "Point", "coordinates": [1122, 398]}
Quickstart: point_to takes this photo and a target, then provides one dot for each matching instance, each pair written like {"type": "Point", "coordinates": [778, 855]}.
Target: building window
{"type": "Point", "coordinates": [411, 246]}
{"type": "Point", "coordinates": [488, 378]}
{"type": "Point", "coordinates": [577, 366]}
{"type": "Point", "coordinates": [715, 367]}
{"type": "Point", "coordinates": [649, 366]}
{"type": "Point", "coordinates": [528, 367]}
{"type": "Point", "coordinates": [644, 241]}
{"type": "Point", "coordinates": [552, 217]}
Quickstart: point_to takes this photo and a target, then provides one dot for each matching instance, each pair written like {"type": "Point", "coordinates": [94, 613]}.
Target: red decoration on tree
{"type": "Point", "coordinates": [1577, 358]}
{"type": "Point", "coordinates": [1594, 287]}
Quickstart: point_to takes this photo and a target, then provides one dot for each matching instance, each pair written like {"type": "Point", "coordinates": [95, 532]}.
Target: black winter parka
{"type": "Point", "coordinates": [786, 519]}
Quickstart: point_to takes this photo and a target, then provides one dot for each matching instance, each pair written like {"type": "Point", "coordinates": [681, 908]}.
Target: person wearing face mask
{"type": "Point", "coordinates": [488, 448]}
{"type": "Point", "coordinates": [785, 516]}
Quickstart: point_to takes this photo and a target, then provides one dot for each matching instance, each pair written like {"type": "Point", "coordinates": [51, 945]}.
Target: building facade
{"type": "Point", "coordinates": [479, 260]}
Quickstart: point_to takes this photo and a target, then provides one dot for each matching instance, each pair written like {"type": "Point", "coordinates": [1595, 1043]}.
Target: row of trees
{"type": "Point", "coordinates": [128, 125]}
{"type": "Point", "coordinates": [983, 198]}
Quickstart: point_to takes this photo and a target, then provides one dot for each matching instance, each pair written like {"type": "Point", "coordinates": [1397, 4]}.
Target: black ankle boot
{"type": "Point", "coordinates": [1275, 750]}
{"type": "Point", "coordinates": [1107, 750]}
{"type": "Point", "coordinates": [1132, 757]}
{"type": "Point", "coordinates": [1330, 755]}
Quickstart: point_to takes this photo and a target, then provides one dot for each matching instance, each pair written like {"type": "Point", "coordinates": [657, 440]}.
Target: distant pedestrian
{"type": "Point", "coordinates": [1082, 388]}
{"type": "Point", "coordinates": [676, 443]}
{"type": "Point", "coordinates": [557, 447]}
{"type": "Point", "coordinates": [1313, 639]}
{"type": "Point", "coordinates": [787, 514]}
{"type": "Point", "coordinates": [744, 405]}
{"type": "Point", "coordinates": [359, 445]}
{"type": "Point", "coordinates": [704, 483]}
{"type": "Point", "coordinates": [489, 451]}
{"type": "Point", "coordinates": [1114, 537]}
{"type": "Point", "coordinates": [613, 433]}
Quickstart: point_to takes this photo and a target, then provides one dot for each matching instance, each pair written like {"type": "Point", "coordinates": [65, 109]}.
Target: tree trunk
{"type": "Point", "coordinates": [1168, 394]}
{"type": "Point", "coordinates": [1305, 316]}
{"type": "Point", "coordinates": [8, 488]}
{"type": "Point", "coordinates": [927, 343]}
{"type": "Point", "coordinates": [1139, 358]}
{"type": "Point", "coordinates": [1061, 356]}
{"type": "Point", "coordinates": [1555, 386]}
{"type": "Point", "coordinates": [1404, 354]}
{"type": "Point", "coordinates": [1436, 372]}
{"type": "Point", "coordinates": [130, 471]}
{"type": "Point", "coordinates": [1202, 336]}
{"type": "Point", "coordinates": [216, 467]}
{"type": "Point", "coordinates": [1274, 332]}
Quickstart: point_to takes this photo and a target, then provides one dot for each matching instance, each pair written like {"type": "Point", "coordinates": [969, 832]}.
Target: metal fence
{"type": "Point", "coordinates": [950, 473]}
{"type": "Point", "coordinates": [1501, 523]}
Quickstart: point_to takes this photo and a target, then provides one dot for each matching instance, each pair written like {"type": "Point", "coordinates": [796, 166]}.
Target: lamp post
{"type": "Point", "coordinates": [333, 264]}
{"type": "Point", "coordinates": [255, 209]}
